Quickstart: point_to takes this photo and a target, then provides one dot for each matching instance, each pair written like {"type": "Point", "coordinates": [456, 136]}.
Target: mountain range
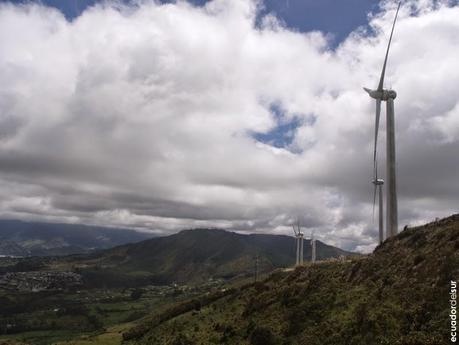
{"type": "Point", "coordinates": [188, 257]}
{"type": "Point", "coordinates": [19, 238]}
{"type": "Point", "coordinates": [194, 256]}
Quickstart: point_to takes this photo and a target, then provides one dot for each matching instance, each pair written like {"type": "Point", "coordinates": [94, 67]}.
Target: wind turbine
{"type": "Point", "coordinates": [380, 94]}
{"type": "Point", "coordinates": [299, 243]}
{"type": "Point", "coordinates": [313, 248]}
{"type": "Point", "coordinates": [256, 268]}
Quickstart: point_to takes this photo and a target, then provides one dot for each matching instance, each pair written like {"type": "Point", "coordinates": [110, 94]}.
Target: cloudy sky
{"type": "Point", "coordinates": [237, 114]}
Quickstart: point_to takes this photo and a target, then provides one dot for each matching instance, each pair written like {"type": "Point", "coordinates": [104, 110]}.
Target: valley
{"type": "Point", "coordinates": [50, 299]}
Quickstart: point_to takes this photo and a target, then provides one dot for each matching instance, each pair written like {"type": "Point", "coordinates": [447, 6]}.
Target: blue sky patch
{"type": "Point", "coordinates": [335, 17]}
{"type": "Point", "coordinates": [283, 134]}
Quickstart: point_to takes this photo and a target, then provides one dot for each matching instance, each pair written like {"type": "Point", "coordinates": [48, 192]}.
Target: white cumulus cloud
{"type": "Point", "coordinates": [143, 116]}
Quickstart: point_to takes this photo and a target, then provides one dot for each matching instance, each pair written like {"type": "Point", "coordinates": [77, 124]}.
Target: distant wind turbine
{"type": "Point", "coordinates": [299, 243]}
{"type": "Point", "coordinates": [380, 94]}
{"type": "Point", "coordinates": [313, 248]}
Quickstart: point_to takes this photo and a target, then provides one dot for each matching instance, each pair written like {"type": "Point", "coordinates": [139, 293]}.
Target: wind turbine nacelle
{"type": "Point", "coordinates": [389, 94]}
{"type": "Point", "coordinates": [383, 95]}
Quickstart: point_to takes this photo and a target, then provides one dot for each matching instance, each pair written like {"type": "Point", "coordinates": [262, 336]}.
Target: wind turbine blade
{"type": "Point", "coordinates": [367, 90]}
{"type": "Point", "coordinates": [381, 80]}
{"type": "Point", "coordinates": [374, 190]}
{"type": "Point", "coordinates": [378, 115]}
{"type": "Point", "coordinates": [294, 231]}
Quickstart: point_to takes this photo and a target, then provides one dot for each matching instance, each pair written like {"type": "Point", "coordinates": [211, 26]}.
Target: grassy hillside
{"type": "Point", "coordinates": [194, 256]}
{"type": "Point", "coordinates": [397, 295]}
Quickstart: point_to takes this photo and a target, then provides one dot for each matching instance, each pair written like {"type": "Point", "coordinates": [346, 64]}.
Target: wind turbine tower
{"type": "Point", "coordinates": [381, 94]}
{"type": "Point", "coordinates": [313, 248]}
{"type": "Point", "coordinates": [256, 268]}
{"type": "Point", "coordinates": [299, 243]}
{"type": "Point", "coordinates": [378, 185]}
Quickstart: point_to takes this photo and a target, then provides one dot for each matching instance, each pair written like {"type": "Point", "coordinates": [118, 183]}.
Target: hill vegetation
{"type": "Point", "coordinates": [194, 256]}
{"type": "Point", "coordinates": [397, 295]}
{"type": "Point", "coordinates": [45, 300]}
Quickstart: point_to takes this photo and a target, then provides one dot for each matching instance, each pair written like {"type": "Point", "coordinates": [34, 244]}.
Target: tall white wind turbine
{"type": "Point", "coordinates": [380, 94]}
